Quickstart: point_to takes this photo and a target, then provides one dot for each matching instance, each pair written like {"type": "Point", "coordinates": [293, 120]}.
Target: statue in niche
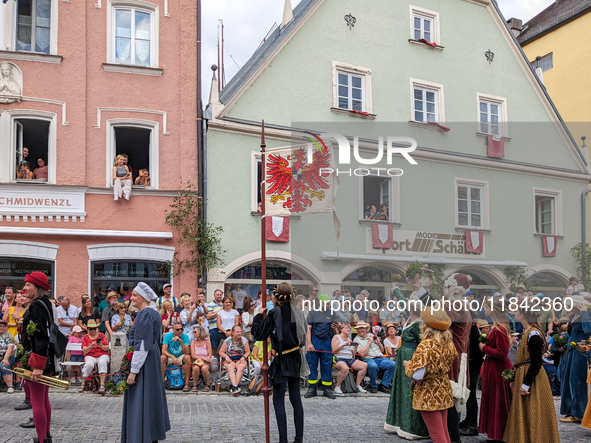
{"type": "Point", "coordinates": [10, 91]}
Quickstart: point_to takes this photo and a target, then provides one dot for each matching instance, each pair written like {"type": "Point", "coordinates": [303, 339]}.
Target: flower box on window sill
{"type": "Point", "coordinates": [548, 235]}
{"type": "Point", "coordinates": [132, 69]}
{"type": "Point", "coordinates": [371, 222]}
{"type": "Point", "coordinates": [483, 135]}
{"type": "Point", "coordinates": [359, 114]}
{"type": "Point", "coordinates": [465, 228]}
{"type": "Point", "coordinates": [31, 56]}
{"type": "Point", "coordinates": [425, 45]}
{"type": "Point", "coordinates": [436, 127]}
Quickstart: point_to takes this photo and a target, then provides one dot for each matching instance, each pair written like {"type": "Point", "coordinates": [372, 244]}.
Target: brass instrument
{"type": "Point", "coordinates": [52, 382]}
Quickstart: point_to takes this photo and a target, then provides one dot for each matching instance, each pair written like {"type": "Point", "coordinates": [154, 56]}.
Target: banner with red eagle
{"type": "Point", "coordinates": [294, 186]}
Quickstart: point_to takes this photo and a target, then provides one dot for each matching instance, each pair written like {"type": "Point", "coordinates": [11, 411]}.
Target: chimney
{"type": "Point", "coordinates": [516, 26]}
{"type": "Point", "coordinates": [214, 95]}
{"type": "Point", "coordinates": [287, 14]}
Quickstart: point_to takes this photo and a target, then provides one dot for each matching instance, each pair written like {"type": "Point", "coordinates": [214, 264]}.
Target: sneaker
{"type": "Point", "coordinates": [384, 389]}
{"type": "Point", "coordinates": [116, 198]}
{"type": "Point", "coordinates": [337, 390]}
{"type": "Point", "coordinates": [10, 390]}
{"type": "Point", "coordinates": [237, 390]}
{"type": "Point", "coordinates": [126, 196]}
{"type": "Point", "coordinates": [361, 390]}
{"type": "Point", "coordinates": [373, 390]}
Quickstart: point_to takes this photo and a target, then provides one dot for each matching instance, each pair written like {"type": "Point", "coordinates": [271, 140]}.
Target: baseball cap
{"type": "Point", "coordinates": [497, 294]}
{"type": "Point", "coordinates": [76, 329]}
{"type": "Point", "coordinates": [166, 285]}
{"type": "Point", "coordinates": [469, 293]}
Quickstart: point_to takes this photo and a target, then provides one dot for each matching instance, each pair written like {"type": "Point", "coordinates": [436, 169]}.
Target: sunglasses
{"type": "Point", "coordinates": [178, 329]}
{"type": "Point", "coordinates": [92, 329]}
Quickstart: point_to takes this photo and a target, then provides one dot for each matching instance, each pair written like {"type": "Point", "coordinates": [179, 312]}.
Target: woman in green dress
{"type": "Point", "coordinates": [402, 419]}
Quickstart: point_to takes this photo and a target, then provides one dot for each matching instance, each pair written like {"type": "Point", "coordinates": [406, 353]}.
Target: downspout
{"type": "Point", "coordinates": [199, 123]}
{"type": "Point", "coordinates": [584, 200]}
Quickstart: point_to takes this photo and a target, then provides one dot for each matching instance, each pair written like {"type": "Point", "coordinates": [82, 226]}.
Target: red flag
{"type": "Point", "coordinates": [443, 128]}
{"type": "Point", "coordinates": [277, 228]}
{"type": "Point", "coordinates": [422, 40]}
{"type": "Point", "coordinates": [474, 241]}
{"type": "Point", "coordinates": [549, 243]}
{"type": "Point", "coordinates": [496, 148]}
{"type": "Point", "coordinates": [383, 236]}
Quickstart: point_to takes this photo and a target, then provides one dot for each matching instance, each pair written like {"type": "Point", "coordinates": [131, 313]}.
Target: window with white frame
{"type": "Point", "coordinates": [490, 117]}
{"type": "Point", "coordinates": [378, 198]}
{"type": "Point", "coordinates": [31, 149]}
{"type": "Point", "coordinates": [425, 105]}
{"type": "Point", "coordinates": [135, 143]}
{"type": "Point", "coordinates": [351, 91]}
{"type": "Point", "coordinates": [545, 214]}
{"type": "Point", "coordinates": [424, 24]}
{"type": "Point", "coordinates": [351, 88]}
{"type": "Point", "coordinates": [133, 36]}
{"type": "Point", "coordinates": [423, 27]}
{"type": "Point", "coordinates": [471, 205]}
{"type": "Point", "coordinates": [33, 26]}
{"type": "Point", "coordinates": [256, 180]}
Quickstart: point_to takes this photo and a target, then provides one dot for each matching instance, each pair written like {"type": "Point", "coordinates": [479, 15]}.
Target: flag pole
{"type": "Point", "coordinates": [265, 368]}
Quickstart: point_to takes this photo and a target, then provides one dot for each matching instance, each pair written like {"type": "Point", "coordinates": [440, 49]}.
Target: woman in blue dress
{"type": "Point", "coordinates": [572, 370]}
{"type": "Point", "coordinates": [145, 411]}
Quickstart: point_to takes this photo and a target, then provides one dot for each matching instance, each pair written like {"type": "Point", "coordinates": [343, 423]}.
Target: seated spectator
{"type": "Point", "coordinates": [372, 351]}
{"type": "Point", "coordinates": [40, 172]}
{"type": "Point", "coordinates": [96, 353]}
{"type": "Point", "coordinates": [201, 356]}
{"type": "Point", "coordinates": [7, 354]}
{"type": "Point", "coordinates": [257, 355]}
{"type": "Point", "coordinates": [234, 352]}
{"type": "Point", "coordinates": [66, 316]}
{"type": "Point", "coordinates": [77, 356]}
{"type": "Point", "coordinates": [227, 318]}
{"type": "Point", "coordinates": [121, 321]}
{"type": "Point", "coordinates": [248, 317]}
{"type": "Point", "coordinates": [391, 341]}
{"type": "Point", "coordinates": [24, 173]}
{"type": "Point", "coordinates": [188, 315]}
{"type": "Point", "coordinates": [176, 352]}
{"type": "Point", "coordinates": [372, 214]}
{"type": "Point", "coordinates": [344, 349]}
{"type": "Point", "coordinates": [143, 179]}
{"type": "Point", "coordinates": [169, 316]}
{"type": "Point", "coordinates": [121, 179]}
{"type": "Point", "coordinates": [87, 312]}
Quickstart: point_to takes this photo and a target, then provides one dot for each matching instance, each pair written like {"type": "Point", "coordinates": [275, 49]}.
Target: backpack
{"type": "Point", "coordinates": [348, 386]}
{"type": "Point", "coordinates": [57, 340]}
{"type": "Point", "coordinates": [174, 379]}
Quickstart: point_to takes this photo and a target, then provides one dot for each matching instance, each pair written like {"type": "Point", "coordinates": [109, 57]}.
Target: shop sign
{"type": "Point", "coordinates": [29, 202]}
{"type": "Point", "coordinates": [425, 243]}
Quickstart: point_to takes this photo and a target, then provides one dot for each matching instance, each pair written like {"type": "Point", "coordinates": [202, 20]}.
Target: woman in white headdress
{"type": "Point", "coordinates": [145, 411]}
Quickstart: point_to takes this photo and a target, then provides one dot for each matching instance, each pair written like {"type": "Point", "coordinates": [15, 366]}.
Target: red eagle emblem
{"type": "Point", "coordinates": [295, 184]}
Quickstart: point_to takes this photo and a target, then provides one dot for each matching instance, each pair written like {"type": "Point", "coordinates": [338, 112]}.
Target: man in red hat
{"type": "Point", "coordinates": [35, 341]}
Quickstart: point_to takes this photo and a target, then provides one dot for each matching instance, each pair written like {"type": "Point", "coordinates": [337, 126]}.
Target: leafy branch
{"type": "Point", "coordinates": [515, 276]}
{"type": "Point", "coordinates": [582, 254]}
{"type": "Point", "coordinates": [436, 279]}
{"type": "Point", "coordinates": [202, 239]}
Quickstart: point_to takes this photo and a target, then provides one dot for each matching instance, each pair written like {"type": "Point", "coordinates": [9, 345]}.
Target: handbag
{"type": "Point", "coordinates": [57, 340]}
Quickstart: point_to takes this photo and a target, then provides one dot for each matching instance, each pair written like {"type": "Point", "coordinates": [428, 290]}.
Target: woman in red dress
{"type": "Point", "coordinates": [496, 393]}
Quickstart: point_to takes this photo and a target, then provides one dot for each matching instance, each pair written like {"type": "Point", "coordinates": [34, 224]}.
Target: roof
{"type": "Point", "coordinates": [264, 51]}
{"type": "Point", "coordinates": [557, 14]}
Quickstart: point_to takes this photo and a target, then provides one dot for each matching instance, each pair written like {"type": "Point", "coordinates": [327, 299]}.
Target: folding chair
{"type": "Point", "coordinates": [65, 364]}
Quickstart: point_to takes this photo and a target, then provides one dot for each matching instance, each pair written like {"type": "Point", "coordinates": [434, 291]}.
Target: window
{"type": "Point", "coordinates": [471, 204]}
{"type": "Point", "coordinates": [425, 105]}
{"type": "Point", "coordinates": [31, 147]}
{"type": "Point", "coordinates": [546, 62]}
{"type": "Point", "coordinates": [489, 118]}
{"type": "Point", "coordinates": [351, 88]}
{"type": "Point", "coordinates": [547, 212]}
{"type": "Point", "coordinates": [33, 26]}
{"type": "Point", "coordinates": [133, 37]}
{"type": "Point", "coordinates": [378, 201]}
{"type": "Point", "coordinates": [424, 24]}
{"type": "Point", "coordinates": [423, 28]}
{"type": "Point", "coordinates": [256, 177]}
{"type": "Point", "coordinates": [350, 91]}
{"type": "Point", "coordinates": [138, 139]}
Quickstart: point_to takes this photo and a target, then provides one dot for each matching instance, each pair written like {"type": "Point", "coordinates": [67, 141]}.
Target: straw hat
{"type": "Point", "coordinates": [436, 319]}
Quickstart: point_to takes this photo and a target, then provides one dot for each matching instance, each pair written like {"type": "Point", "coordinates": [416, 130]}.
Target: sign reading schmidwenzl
{"type": "Point", "coordinates": [19, 202]}
{"type": "Point", "coordinates": [423, 243]}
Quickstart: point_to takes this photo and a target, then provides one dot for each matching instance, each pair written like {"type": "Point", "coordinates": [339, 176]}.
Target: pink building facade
{"type": "Point", "coordinates": [80, 83]}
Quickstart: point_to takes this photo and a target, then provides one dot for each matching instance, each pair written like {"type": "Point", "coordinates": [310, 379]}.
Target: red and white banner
{"type": "Point", "coordinates": [474, 241]}
{"type": "Point", "coordinates": [383, 236]}
{"type": "Point", "coordinates": [496, 147]}
{"type": "Point", "coordinates": [277, 228]}
{"type": "Point", "coordinates": [549, 243]}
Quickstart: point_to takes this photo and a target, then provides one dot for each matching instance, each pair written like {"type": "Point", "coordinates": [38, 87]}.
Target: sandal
{"type": "Point", "coordinates": [80, 389]}
{"type": "Point", "coordinates": [186, 388]}
{"type": "Point", "coordinates": [194, 389]}
{"type": "Point", "coordinates": [102, 389]}
{"type": "Point", "coordinates": [205, 388]}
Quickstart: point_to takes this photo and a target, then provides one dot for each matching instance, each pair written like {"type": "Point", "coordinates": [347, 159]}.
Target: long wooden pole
{"type": "Point", "coordinates": [265, 368]}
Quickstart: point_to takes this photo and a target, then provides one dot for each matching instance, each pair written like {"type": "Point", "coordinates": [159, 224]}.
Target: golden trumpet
{"type": "Point", "coordinates": [52, 382]}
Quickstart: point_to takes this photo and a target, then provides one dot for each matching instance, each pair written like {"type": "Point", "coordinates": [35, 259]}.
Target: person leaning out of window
{"type": "Point", "coordinates": [143, 179]}
{"type": "Point", "coordinates": [24, 173]}
{"type": "Point", "coordinates": [40, 172]}
{"type": "Point", "coordinates": [121, 178]}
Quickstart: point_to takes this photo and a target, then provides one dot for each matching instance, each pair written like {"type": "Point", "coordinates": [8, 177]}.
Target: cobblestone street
{"type": "Point", "coordinates": [220, 418]}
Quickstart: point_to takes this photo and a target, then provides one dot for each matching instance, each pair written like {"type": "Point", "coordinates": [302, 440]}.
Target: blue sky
{"type": "Point", "coordinates": [246, 22]}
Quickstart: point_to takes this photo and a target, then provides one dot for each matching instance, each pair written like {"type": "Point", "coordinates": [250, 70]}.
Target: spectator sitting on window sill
{"type": "Point", "coordinates": [40, 172]}
{"type": "Point", "coordinates": [121, 179]}
{"type": "Point", "coordinates": [121, 321]}
{"type": "Point", "coordinates": [24, 173]}
{"type": "Point", "coordinates": [372, 214]}
{"type": "Point", "coordinates": [143, 179]}
{"type": "Point", "coordinates": [96, 353]}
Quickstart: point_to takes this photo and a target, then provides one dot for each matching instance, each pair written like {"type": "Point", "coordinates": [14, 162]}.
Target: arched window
{"type": "Point", "coordinates": [377, 280]}
{"type": "Point", "coordinates": [548, 284]}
